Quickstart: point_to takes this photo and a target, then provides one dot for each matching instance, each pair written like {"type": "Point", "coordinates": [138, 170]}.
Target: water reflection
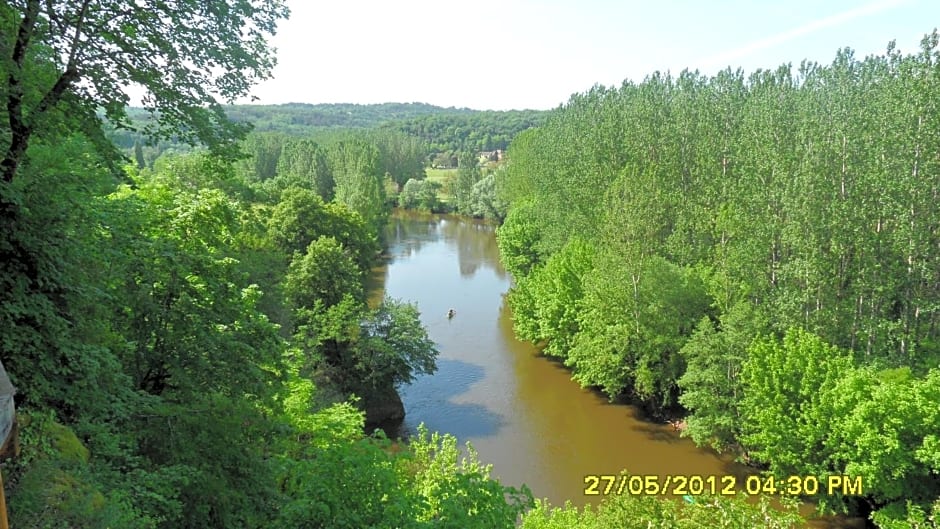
{"type": "Point", "coordinates": [439, 405]}
{"type": "Point", "coordinates": [409, 231]}
{"type": "Point", "coordinates": [476, 245]}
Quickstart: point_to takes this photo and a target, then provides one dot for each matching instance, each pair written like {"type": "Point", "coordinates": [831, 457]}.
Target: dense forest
{"type": "Point", "coordinates": [448, 133]}
{"type": "Point", "coordinates": [299, 118]}
{"type": "Point", "coordinates": [445, 132]}
{"type": "Point", "coordinates": [760, 252]}
{"type": "Point", "coordinates": [303, 118]}
{"type": "Point", "coordinates": [188, 327]}
{"type": "Point", "coordinates": [276, 161]}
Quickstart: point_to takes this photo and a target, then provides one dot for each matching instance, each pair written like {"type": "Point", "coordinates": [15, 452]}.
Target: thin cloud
{"type": "Point", "coordinates": [729, 57]}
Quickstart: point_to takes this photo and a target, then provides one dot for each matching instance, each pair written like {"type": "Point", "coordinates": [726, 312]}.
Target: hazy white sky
{"type": "Point", "coordinates": [502, 54]}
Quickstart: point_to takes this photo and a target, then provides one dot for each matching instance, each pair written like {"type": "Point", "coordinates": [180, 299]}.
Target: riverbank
{"type": "Point", "coordinates": [520, 410]}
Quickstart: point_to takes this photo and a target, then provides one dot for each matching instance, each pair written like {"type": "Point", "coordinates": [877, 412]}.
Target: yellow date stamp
{"type": "Point", "coordinates": [698, 484]}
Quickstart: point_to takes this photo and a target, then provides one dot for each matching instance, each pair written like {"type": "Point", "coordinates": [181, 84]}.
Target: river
{"type": "Point", "coordinates": [519, 410]}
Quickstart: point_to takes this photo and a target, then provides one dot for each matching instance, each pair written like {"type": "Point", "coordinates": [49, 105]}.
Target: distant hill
{"type": "Point", "coordinates": [444, 129]}
{"type": "Point", "coordinates": [299, 117]}
{"type": "Point", "coordinates": [478, 130]}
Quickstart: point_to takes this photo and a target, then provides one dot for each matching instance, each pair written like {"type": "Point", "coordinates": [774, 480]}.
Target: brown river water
{"type": "Point", "coordinates": [519, 410]}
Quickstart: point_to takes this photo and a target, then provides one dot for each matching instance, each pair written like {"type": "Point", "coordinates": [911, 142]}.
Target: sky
{"type": "Point", "coordinates": [518, 54]}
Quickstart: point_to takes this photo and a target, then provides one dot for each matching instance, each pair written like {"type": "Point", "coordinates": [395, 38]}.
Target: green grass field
{"type": "Point", "coordinates": [441, 176]}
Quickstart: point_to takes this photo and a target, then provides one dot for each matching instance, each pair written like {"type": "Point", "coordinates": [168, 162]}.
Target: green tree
{"type": "Point", "coordinates": [712, 388]}
{"type": "Point", "coordinates": [909, 515]}
{"type": "Point", "coordinates": [211, 450]}
{"type": "Point", "coordinates": [53, 262]}
{"type": "Point", "coordinates": [322, 276]}
{"type": "Point", "coordinates": [634, 320]}
{"type": "Point", "coordinates": [885, 432]}
{"type": "Point", "coordinates": [393, 347]}
{"type": "Point", "coordinates": [410, 194]}
{"type": "Point", "coordinates": [88, 54]}
{"type": "Point", "coordinates": [401, 156]}
{"type": "Point", "coordinates": [139, 155]}
{"type": "Point", "coordinates": [263, 150]}
{"type": "Point", "coordinates": [428, 197]}
{"type": "Point", "coordinates": [555, 292]}
{"type": "Point", "coordinates": [301, 217]}
{"type": "Point", "coordinates": [484, 200]}
{"type": "Point", "coordinates": [630, 511]}
{"type": "Point", "coordinates": [468, 174]}
{"type": "Point", "coordinates": [367, 350]}
{"type": "Point", "coordinates": [351, 482]}
{"type": "Point", "coordinates": [202, 357]}
{"type": "Point", "coordinates": [458, 491]}
{"type": "Point", "coordinates": [359, 182]}
{"type": "Point", "coordinates": [303, 163]}
{"type": "Point", "coordinates": [788, 410]}
{"type": "Point", "coordinates": [519, 240]}
{"type": "Point", "coordinates": [191, 318]}
{"type": "Point", "coordinates": [420, 194]}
